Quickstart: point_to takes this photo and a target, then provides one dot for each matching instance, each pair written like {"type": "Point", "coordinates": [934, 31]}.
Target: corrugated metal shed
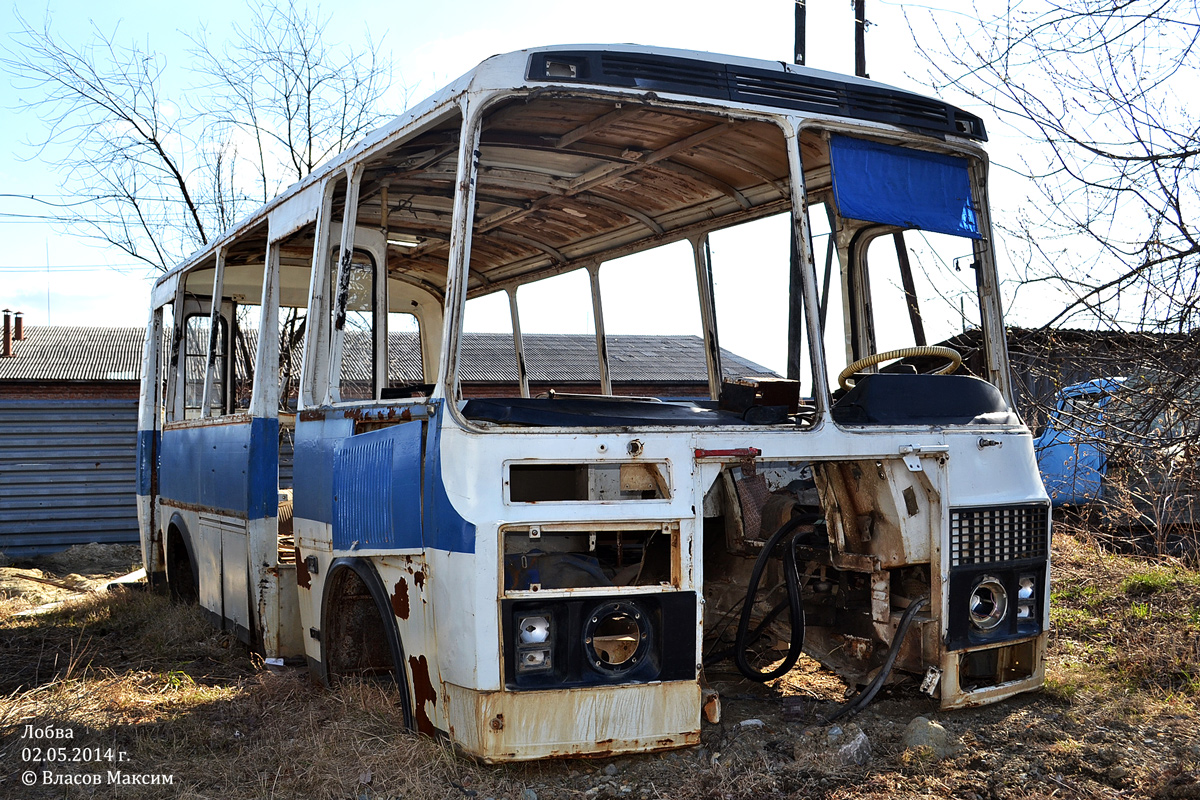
{"type": "Point", "coordinates": [68, 472]}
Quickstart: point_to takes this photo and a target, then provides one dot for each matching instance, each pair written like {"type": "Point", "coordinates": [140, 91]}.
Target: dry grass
{"type": "Point", "coordinates": [1123, 624]}
{"type": "Point", "coordinates": [135, 673]}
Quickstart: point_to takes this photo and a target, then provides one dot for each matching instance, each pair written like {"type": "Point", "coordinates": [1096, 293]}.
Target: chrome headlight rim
{"type": "Point", "coordinates": [987, 604]}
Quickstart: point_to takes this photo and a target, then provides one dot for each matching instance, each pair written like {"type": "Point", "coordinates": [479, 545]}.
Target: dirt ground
{"type": "Point", "coordinates": [130, 675]}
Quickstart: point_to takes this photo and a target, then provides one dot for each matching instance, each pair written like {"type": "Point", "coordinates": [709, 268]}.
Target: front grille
{"type": "Point", "coordinates": [995, 534]}
{"type": "Point", "coordinates": [801, 91]}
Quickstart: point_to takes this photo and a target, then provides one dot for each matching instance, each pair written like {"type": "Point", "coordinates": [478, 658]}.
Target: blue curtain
{"type": "Point", "coordinates": [900, 186]}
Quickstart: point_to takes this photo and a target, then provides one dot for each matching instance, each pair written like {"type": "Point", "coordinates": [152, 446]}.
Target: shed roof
{"type": "Point", "coordinates": [81, 353]}
{"type": "Point", "coordinates": [75, 353]}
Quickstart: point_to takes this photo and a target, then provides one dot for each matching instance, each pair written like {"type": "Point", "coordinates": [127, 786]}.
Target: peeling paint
{"type": "Point", "coordinates": [423, 693]}
{"type": "Point", "coordinates": [303, 579]}
{"type": "Point", "coordinates": [400, 599]}
{"type": "Point", "coordinates": [419, 579]}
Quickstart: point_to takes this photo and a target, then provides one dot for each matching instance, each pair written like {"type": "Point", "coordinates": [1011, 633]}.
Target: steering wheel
{"type": "Point", "coordinates": [948, 353]}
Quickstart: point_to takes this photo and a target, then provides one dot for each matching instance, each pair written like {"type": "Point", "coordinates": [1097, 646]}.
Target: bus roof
{"type": "Point", "coordinates": [646, 74]}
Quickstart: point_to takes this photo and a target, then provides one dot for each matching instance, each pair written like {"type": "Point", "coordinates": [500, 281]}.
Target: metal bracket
{"type": "Point", "coordinates": [911, 453]}
{"type": "Point", "coordinates": [933, 676]}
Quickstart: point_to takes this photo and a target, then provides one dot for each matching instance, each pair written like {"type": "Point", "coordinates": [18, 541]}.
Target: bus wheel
{"type": "Point", "coordinates": [182, 577]}
{"type": "Point", "coordinates": [359, 638]}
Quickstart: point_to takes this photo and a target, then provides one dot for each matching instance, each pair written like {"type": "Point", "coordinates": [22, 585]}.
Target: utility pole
{"type": "Point", "coordinates": [800, 23]}
{"type": "Point", "coordinates": [860, 38]}
{"type": "Point", "coordinates": [796, 279]}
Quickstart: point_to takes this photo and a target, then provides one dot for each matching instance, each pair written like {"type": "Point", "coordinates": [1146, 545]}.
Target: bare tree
{"type": "Point", "coordinates": [1105, 87]}
{"type": "Point", "coordinates": [113, 139]}
{"type": "Point", "coordinates": [156, 178]}
{"type": "Point", "coordinates": [294, 99]}
{"type": "Point", "coordinates": [1109, 239]}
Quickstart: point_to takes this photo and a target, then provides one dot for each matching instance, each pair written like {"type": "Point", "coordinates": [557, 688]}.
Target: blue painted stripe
{"type": "Point", "coordinates": [377, 489]}
{"type": "Point", "coordinates": [373, 489]}
{"type": "Point", "coordinates": [445, 529]}
{"type": "Point", "coordinates": [227, 467]}
{"type": "Point", "coordinates": [148, 446]}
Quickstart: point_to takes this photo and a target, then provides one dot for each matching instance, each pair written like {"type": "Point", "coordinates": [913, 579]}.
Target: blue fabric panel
{"type": "Point", "coordinates": [377, 489]}
{"type": "Point", "coordinates": [226, 467]}
{"type": "Point", "coordinates": [318, 441]}
{"type": "Point", "coordinates": [900, 186]}
{"type": "Point", "coordinates": [148, 447]}
{"type": "Point", "coordinates": [444, 528]}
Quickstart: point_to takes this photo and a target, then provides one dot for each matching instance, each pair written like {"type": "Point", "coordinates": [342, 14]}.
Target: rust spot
{"type": "Point", "coordinates": [400, 599]}
{"type": "Point", "coordinates": [303, 579]}
{"type": "Point", "coordinates": [406, 415]}
{"type": "Point", "coordinates": [497, 722]}
{"type": "Point", "coordinates": [419, 579]}
{"type": "Point", "coordinates": [423, 692]}
{"type": "Point", "coordinates": [312, 416]}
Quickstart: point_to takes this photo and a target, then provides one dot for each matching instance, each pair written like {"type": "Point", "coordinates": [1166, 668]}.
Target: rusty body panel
{"type": "Point", "coordinates": [504, 726]}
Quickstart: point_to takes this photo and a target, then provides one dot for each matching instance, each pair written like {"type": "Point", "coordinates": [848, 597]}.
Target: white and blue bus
{"type": "Point", "coordinates": [548, 562]}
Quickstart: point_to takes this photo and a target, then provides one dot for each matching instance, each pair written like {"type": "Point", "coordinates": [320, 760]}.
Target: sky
{"type": "Point", "coordinates": [55, 277]}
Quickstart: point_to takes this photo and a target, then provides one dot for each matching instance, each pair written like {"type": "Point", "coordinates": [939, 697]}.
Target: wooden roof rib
{"type": "Point", "coordinates": [566, 182]}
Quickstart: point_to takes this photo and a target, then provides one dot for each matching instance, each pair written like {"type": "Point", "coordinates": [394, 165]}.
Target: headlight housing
{"type": "Point", "coordinates": [988, 603]}
{"type": "Point", "coordinates": [535, 644]}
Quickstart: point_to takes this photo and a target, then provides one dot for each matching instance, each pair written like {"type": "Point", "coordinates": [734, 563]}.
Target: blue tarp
{"type": "Point", "coordinates": [900, 186]}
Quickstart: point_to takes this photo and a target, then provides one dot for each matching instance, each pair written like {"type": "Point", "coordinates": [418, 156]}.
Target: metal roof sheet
{"type": "Point", "coordinates": [75, 353]}
{"type": "Point", "coordinates": [82, 353]}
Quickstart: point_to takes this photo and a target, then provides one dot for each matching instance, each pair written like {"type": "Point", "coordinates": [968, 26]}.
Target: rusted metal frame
{"type": "Point", "coordinates": [601, 342]}
{"type": "Point", "coordinates": [802, 236]}
{"type": "Point", "coordinates": [517, 238]}
{"type": "Point", "coordinates": [991, 310]}
{"type": "Point", "coordinates": [513, 140]}
{"type": "Point", "coordinates": [910, 289]}
{"type": "Point", "coordinates": [518, 343]}
{"type": "Point", "coordinates": [596, 124]}
{"type": "Point", "coordinates": [214, 320]}
{"type": "Point", "coordinates": [421, 283]}
{"type": "Point", "coordinates": [603, 173]}
{"type": "Point", "coordinates": [440, 244]}
{"type": "Point", "coordinates": [314, 379]}
{"type": "Point", "coordinates": [354, 174]}
{"type": "Point", "coordinates": [238, 418]}
{"type": "Point", "coordinates": [830, 249]}
{"type": "Point", "coordinates": [466, 182]}
{"type": "Point", "coordinates": [150, 419]}
{"type": "Point", "coordinates": [753, 169]}
{"type": "Point", "coordinates": [708, 312]}
{"type": "Point", "coordinates": [513, 276]}
{"type": "Point", "coordinates": [264, 395]}
{"type": "Point", "coordinates": [706, 179]}
{"type": "Point", "coordinates": [176, 363]}
{"type": "Point", "coordinates": [381, 302]}
{"type": "Point", "coordinates": [599, 175]}
{"type": "Point", "coordinates": [699, 218]}
{"type": "Point", "coordinates": [622, 208]}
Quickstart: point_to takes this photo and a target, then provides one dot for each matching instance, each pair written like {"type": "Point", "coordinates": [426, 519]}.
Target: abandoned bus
{"type": "Point", "coordinates": [351, 454]}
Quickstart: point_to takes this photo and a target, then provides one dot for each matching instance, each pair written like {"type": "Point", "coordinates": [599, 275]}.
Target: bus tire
{"type": "Point", "coordinates": [183, 579]}
{"type": "Point", "coordinates": [359, 636]}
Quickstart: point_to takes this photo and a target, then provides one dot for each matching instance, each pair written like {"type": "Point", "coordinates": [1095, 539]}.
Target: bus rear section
{"type": "Point", "coordinates": [603, 370]}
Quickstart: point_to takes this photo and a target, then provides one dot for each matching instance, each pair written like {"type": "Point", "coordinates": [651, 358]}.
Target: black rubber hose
{"type": "Point", "coordinates": [741, 642]}
{"type": "Point", "coordinates": [860, 701]}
